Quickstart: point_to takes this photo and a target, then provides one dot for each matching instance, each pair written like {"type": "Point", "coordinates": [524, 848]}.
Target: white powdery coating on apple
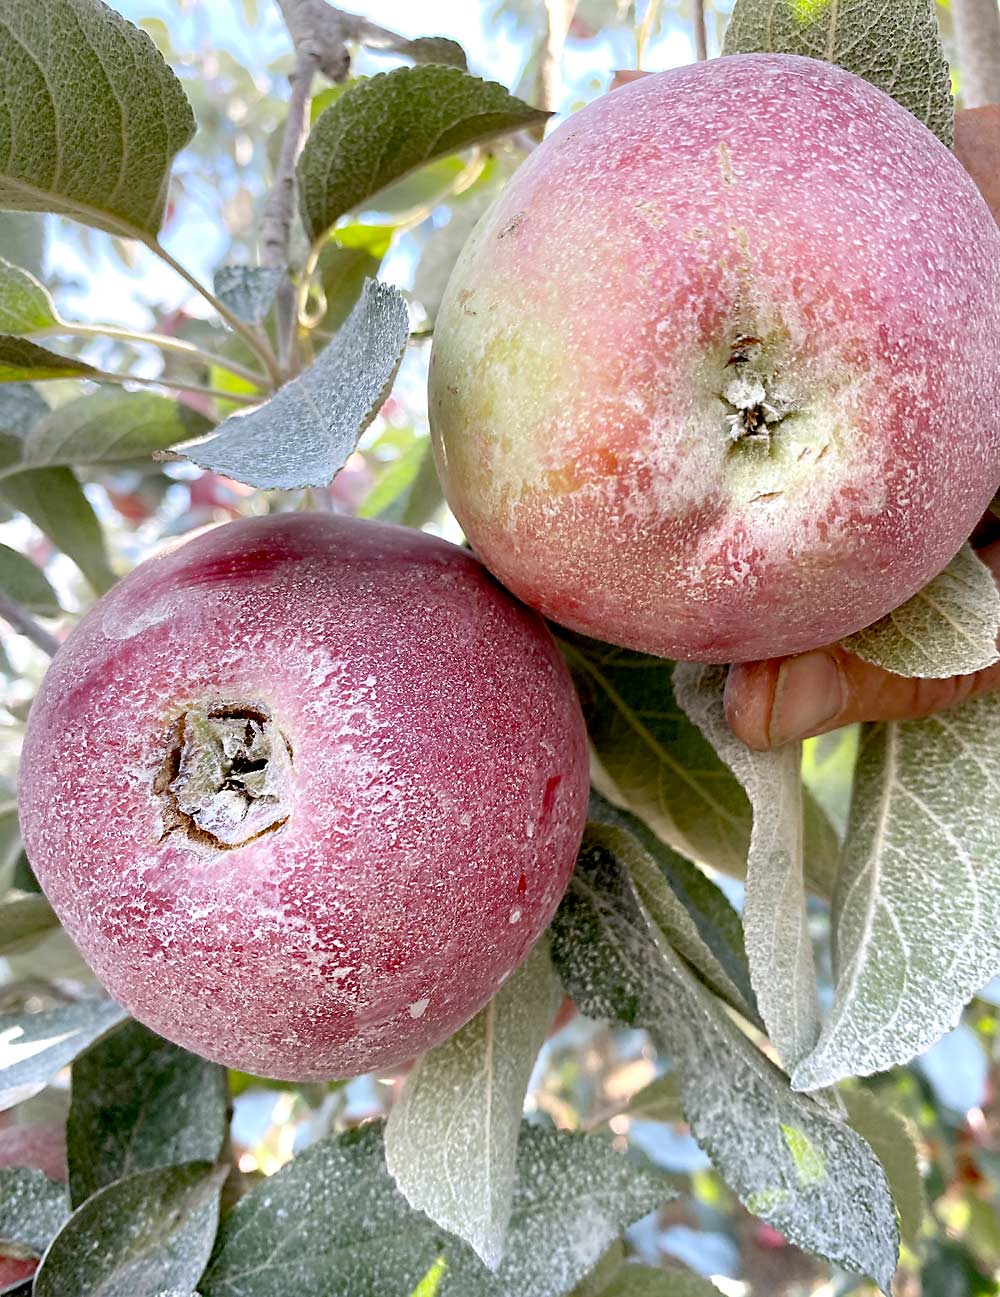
{"type": "Point", "coordinates": [428, 716]}
{"type": "Point", "coordinates": [761, 240]}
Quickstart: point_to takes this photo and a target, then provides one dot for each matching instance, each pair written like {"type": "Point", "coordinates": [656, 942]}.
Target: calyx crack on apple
{"type": "Point", "coordinates": [225, 778]}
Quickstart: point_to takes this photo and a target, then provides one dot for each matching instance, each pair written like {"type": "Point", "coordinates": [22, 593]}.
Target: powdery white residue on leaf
{"type": "Point", "coordinates": [791, 1161]}
{"type": "Point", "coordinates": [948, 628]}
{"type": "Point", "coordinates": [303, 435]}
{"type": "Point", "coordinates": [775, 924]}
{"type": "Point", "coordinates": [917, 910]}
{"type": "Point", "coordinates": [451, 1138]}
{"type": "Point", "coordinates": [575, 1194]}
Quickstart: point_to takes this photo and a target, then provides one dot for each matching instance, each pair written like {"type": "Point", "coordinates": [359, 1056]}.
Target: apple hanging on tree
{"type": "Point", "coordinates": [716, 377]}
{"type": "Point", "coordinates": [305, 791]}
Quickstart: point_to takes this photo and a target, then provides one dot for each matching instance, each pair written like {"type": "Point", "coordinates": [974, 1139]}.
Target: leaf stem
{"type": "Point", "coordinates": [73, 329]}
{"type": "Point", "coordinates": [218, 393]}
{"type": "Point", "coordinates": [252, 337]}
{"type": "Point", "coordinates": [23, 622]}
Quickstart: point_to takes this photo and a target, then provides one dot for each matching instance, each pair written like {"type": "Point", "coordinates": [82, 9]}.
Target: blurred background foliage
{"type": "Point", "coordinates": [233, 58]}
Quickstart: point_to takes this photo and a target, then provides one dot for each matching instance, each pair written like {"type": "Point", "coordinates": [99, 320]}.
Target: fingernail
{"type": "Point", "coordinates": [811, 690]}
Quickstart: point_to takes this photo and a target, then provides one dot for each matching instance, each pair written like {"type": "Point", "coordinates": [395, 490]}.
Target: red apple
{"type": "Point", "coordinates": [304, 791]}
{"type": "Point", "coordinates": [717, 376]}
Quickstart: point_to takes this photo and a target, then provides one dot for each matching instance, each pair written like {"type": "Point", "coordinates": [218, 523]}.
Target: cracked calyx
{"type": "Point", "coordinates": [225, 780]}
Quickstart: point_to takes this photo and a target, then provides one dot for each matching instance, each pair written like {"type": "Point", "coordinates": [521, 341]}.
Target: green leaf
{"type": "Point", "coordinates": [25, 305]}
{"type": "Point", "coordinates": [388, 499]}
{"type": "Point", "coordinates": [788, 1159]}
{"type": "Point", "coordinates": [654, 760]}
{"type": "Point", "coordinates": [575, 1194]}
{"type": "Point", "coordinates": [139, 1103]}
{"type": "Point", "coordinates": [349, 256]}
{"type": "Point", "coordinates": [22, 361]}
{"type": "Point", "coordinates": [35, 1046]}
{"type": "Point", "coordinates": [21, 406]}
{"type": "Point", "coordinates": [419, 191]}
{"type": "Point", "coordinates": [136, 1237]}
{"type": "Point", "coordinates": [596, 1282]}
{"type": "Point", "coordinates": [23, 920]}
{"type": "Point", "coordinates": [644, 1281]}
{"type": "Point", "coordinates": [949, 628]}
{"type": "Point", "coordinates": [451, 1138]}
{"type": "Point", "coordinates": [248, 291]}
{"type": "Point", "coordinates": [775, 924]}
{"type": "Point", "coordinates": [110, 428]}
{"type": "Point", "coordinates": [443, 243]}
{"type": "Point", "coordinates": [90, 116]}
{"type": "Point", "coordinates": [330, 1221]}
{"type": "Point", "coordinates": [658, 763]}
{"type": "Point", "coordinates": [894, 44]}
{"type": "Point", "coordinates": [387, 126]}
{"type": "Point", "coordinates": [33, 1209]}
{"type": "Point", "coordinates": [11, 848]}
{"type": "Point", "coordinates": [431, 1282]}
{"type": "Point", "coordinates": [433, 49]}
{"type": "Point", "coordinates": [26, 584]}
{"type": "Point", "coordinates": [304, 434]}
{"type": "Point", "coordinates": [889, 1136]}
{"type": "Point", "coordinates": [687, 907]}
{"type": "Point", "coordinates": [660, 1100]}
{"type": "Point", "coordinates": [916, 915]}
{"type": "Point", "coordinates": [54, 501]}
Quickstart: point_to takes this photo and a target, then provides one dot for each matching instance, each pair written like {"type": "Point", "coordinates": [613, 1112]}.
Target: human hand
{"type": "Point", "coordinates": [783, 699]}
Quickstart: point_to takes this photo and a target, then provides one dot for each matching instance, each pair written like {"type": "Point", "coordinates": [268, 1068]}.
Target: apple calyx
{"type": "Point", "coordinates": [225, 778]}
{"type": "Point", "coordinates": [754, 405]}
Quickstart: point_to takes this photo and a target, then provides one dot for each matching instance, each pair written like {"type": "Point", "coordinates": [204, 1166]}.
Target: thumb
{"type": "Point", "coordinates": [773, 702]}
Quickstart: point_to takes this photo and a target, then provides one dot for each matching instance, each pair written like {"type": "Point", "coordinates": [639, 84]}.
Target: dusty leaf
{"type": "Point", "coordinates": [916, 915]}
{"type": "Point", "coordinates": [139, 1236]}
{"type": "Point", "coordinates": [354, 1231]}
{"type": "Point", "coordinates": [949, 628]}
{"type": "Point", "coordinates": [35, 1046]}
{"type": "Point", "coordinates": [790, 1161]}
{"type": "Point", "coordinates": [451, 1137]}
{"type": "Point", "coordinates": [775, 925]}
{"type": "Point", "coordinates": [139, 1102]}
{"type": "Point", "coordinates": [304, 434]}
{"type": "Point", "coordinates": [575, 1195]}
{"type": "Point", "coordinates": [33, 1209]}
{"type": "Point", "coordinates": [689, 909]}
